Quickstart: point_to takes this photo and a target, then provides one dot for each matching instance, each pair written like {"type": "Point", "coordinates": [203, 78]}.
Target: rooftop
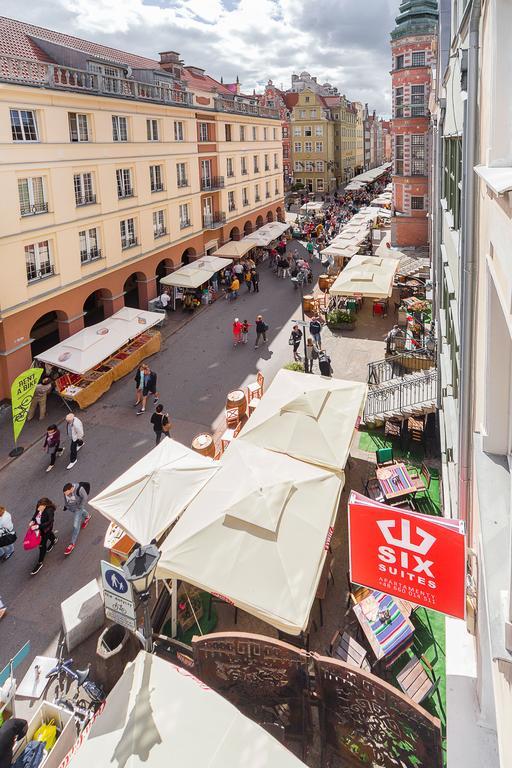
{"type": "Point", "coordinates": [415, 17]}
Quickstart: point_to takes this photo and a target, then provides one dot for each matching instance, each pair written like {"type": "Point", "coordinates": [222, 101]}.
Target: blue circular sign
{"type": "Point", "coordinates": [116, 582]}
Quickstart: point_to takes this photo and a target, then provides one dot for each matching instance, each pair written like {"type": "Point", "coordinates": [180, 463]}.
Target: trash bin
{"type": "Point", "coordinates": [111, 641]}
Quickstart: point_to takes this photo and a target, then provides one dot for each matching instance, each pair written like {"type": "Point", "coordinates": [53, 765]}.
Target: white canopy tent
{"type": "Point", "coordinates": [267, 233]}
{"type": "Point", "coordinates": [159, 715]}
{"type": "Point", "coordinates": [311, 207]}
{"type": "Point", "coordinates": [235, 249]}
{"type": "Point", "coordinates": [87, 348]}
{"type": "Point", "coordinates": [257, 534]}
{"type": "Point", "coordinates": [196, 273]}
{"type": "Point", "coordinates": [355, 186]}
{"type": "Point", "coordinates": [311, 418]}
{"type": "Point", "coordinates": [150, 496]}
{"type": "Point", "coordinates": [370, 276]}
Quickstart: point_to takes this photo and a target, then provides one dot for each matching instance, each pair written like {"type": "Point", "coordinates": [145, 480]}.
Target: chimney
{"type": "Point", "coordinates": [168, 60]}
{"type": "Point", "coordinates": [237, 85]}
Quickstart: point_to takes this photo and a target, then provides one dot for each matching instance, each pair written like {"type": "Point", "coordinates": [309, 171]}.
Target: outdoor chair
{"type": "Point", "coordinates": [345, 648]}
{"type": "Point", "coordinates": [416, 427]}
{"type": "Point", "coordinates": [229, 435]}
{"type": "Point", "coordinates": [232, 417]}
{"type": "Point", "coordinates": [384, 456]}
{"type": "Point", "coordinates": [356, 593]}
{"type": "Point", "coordinates": [414, 680]}
{"type": "Point", "coordinates": [256, 388]}
{"type": "Point", "coordinates": [392, 428]}
{"type": "Point", "coordinates": [253, 404]}
{"type": "Point", "coordinates": [373, 490]}
{"type": "Point", "coordinates": [421, 479]}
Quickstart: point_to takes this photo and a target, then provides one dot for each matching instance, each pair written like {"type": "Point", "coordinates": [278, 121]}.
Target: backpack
{"type": "Point", "coordinates": [85, 486]}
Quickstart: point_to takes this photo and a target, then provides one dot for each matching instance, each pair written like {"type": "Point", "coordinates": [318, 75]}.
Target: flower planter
{"type": "Point", "coordinates": [341, 326]}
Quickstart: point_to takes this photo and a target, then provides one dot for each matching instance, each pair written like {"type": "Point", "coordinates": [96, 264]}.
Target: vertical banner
{"type": "Point", "coordinates": [22, 392]}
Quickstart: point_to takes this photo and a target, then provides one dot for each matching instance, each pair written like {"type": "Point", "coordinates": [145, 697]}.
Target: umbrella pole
{"type": "Point", "coordinates": [174, 607]}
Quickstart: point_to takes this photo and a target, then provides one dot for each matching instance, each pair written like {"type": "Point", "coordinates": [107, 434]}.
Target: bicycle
{"type": "Point", "coordinates": [83, 710]}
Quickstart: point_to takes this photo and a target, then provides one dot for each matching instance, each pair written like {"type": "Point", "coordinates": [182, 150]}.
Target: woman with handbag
{"type": "Point", "coordinates": [160, 422]}
{"type": "Point", "coordinates": [7, 535]}
{"type": "Point", "coordinates": [42, 524]}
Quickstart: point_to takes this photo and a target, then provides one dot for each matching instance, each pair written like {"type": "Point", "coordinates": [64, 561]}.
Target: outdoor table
{"type": "Point", "coordinates": [388, 638]}
{"type": "Point", "coordinates": [395, 481]}
{"type": "Point", "coordinates": [237, 399]}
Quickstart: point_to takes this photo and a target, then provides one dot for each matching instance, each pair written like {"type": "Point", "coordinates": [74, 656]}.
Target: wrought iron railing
{"type": "Point", "coordinates": [399, 364]}
{"type": "Point", "coordinates": [212, 182]}
{"type": "Point", "coordinates": [90, 255]}
{"type": "Point", "coordinates": [33, 210]}
{"type": "Point", "coordinates": [399, 395]}
{"type": "Point", "coordinates": [85, 200]}
{"type": "Point", "coordinates": [214, 220]}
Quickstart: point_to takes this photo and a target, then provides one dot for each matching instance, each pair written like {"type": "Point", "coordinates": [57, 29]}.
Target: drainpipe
{"type": "Point", "coordinates": [437, 262]}
{"type": "Point", "coordinates": [468, 276]}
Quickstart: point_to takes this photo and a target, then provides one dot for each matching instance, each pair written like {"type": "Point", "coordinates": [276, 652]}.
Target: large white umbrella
{"type": "Point", "coordinates": [257, 535]}
{"type": "Point", "coordinates": [370, 276]}
{"type": "Point", "coordinates": [311, 418]}
{"type": "Point", "coordinates": [147, 498]}
{"type": "Point", "coordinates": [158, 715]}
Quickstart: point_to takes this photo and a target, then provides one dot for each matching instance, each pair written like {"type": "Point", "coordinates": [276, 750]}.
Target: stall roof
{"type": "Point", "coordinates": [312, 207]}
{"type": "Point", "coordinates": [196, 273]}
{"type": "Point", "coordinates": [235, 249]}
{"type": "Point", "coordinates": [87, 348]}
{"type": "Point", "coordinates": [370, 276]}
{"type": "Point", "coordinates": [159, 714]}
{"type": "Point", "coordinates": [267, 233]}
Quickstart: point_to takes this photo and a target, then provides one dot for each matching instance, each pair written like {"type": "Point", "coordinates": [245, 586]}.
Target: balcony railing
{"type": "Point", "coordinates": [228, 105]}
{"type": "Point", "coordinates": [231, 207]}
{"type": "Point", "coordinates": [257, 198]}
{"type": "Point", "coordinates": [244, 171]}
{"type": "Point", "coordinates": [129, 243]}
{"type": "Point", "coordinates": [257, 169]}
{"type": "Point", "coordinates": [212, 182]}
{"type": "Point", "coordinates": [34, 273]}
{"type": "Point", "coordinates": [214, 220]}
{"type": "Point", "coordinates": [159, 232]}
{"type": "Point", "coordinates": [125, 193]}
{"type": "Point", "coordinates": [90, 255]}
{"type": "Point", "coordinates": [85, 200]}
{"type": "Point", "coordinates": [398, 395]}
{"type": "Point", "coordinates": [33, 210]}
{"type": "Point", "coordinates": [184, 223]}
{"type": "Point", "coordinates": [267, 195]}
{"type": "Point", "coordinates": [182, 182]}
{"type": "Point", "coordinates": [230, 174]}
{"type": "Point", "coordinates": [157, 187]}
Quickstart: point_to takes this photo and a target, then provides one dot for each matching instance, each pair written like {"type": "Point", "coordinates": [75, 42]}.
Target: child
{"type": "Point", "coordinates": [245, 331]}
{"type": "Point", "coordinates": [237, 331]}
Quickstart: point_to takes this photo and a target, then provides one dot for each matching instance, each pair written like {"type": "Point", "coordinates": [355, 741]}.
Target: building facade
{"type": "Point", "coordinates": [115, 170]}
{"type": "Point", "coordinates": [347, 140]}
{"type": "Point", "coordinates": [313, 154]}
{"type": "Point", "coordinates": [413, 55]}
{"type": "Point", "coordinates": [359, 167]}
{"type": "Point", "coordinates": [274, 98]}
{"type": "Point", "coordinates": [387, 152]}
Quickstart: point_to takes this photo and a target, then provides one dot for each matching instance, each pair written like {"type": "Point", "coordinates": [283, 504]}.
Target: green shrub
{"type": "Point", "coordinates": [339, 317]}
{"type": "Point", "coordinates": [294, 366]}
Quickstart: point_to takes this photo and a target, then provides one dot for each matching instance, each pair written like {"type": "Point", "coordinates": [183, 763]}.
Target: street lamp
{"type": "Point", "coordinates": [300, 285]}
{"type": "Point", "coordinates": [139, 570]}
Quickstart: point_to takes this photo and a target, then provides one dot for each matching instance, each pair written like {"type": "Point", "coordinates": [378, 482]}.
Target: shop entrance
{"type": "Point", "coordinates": [45, 333]}
{"type": "Point", "coordinates": [270, 216]}
{"type": "Point", "coordinates": [131, 291]}
{"type": "Point", "coordinates": [188, 255]}
{"type": "Point", "coordinates": [94, 309]}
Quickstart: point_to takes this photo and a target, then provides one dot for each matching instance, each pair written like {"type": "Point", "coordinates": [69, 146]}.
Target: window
{"type": "Point", "coordinates": [319, 185]}
{"type": "Point", "coordinates": [78, 127]}
{"type": "Point", "coordinates": [184, 216]}
{"type": "Point", "coordinates": [227, 129]}
{"type": "Point", "coordinates": [155, 178]}
{"type": "Point", "coordinates": [229, 167]}
{"type": "Point", "coordinates": [128, 236]}
{"type": "Point", "coordinates": [32, 196]}
{"type": "Point", "coordinates": [286, 152]}
{"type": "Point", "coordinates": [23, 125]}
{"type": "Point", "coordinates": [274, 134]}
{"type": "Point", "coordinates": [418, 59]}
{"type": "Point", "coordinates": [308, 146]}
{"type": "Point", "coordinates": [276, 188]}
{"type": "Point", "coordinates": [265, 133]}
{"type": "Point", "coordinates": [297, 147]}
{"type": "Point", "coordinates": [418, 155]}
{"type": "Point", "coordinates": [267, 190]}
{"type": "Point", "coordinates": [319, 165]}
{"type": "Point", "coordinates": [319, 130]}
{"type": "Point", "coordinates": [231, 202]}
{"type": "Point", "coordinates": [38, 261]}
{"type": "Point", "coordinates": [178, 131]}
{"type": "Point", "coordinates": [297, 130]}
{"type": "Point", "coordinates": [203, 131]}
{"type": "Point", "coordinates": [243, 166]}
{"type": "Point", "coordinates": [306, 99]}
{"type": "Point", "coordinates": [242, 133]}
{"type": "Point", "coordinates": [257, 197]}
{"type": "Point", "coordinates": [89, 245]}
{"type": "Point", "coordinates": [417, 100]}
{"type": "Point", "coordinates": [319, 146]}
{"type": "Point", "coordinates": [399, 102]}
{"type": "Point", "coordinates": [181, 174]}
{"type": "Point", "coordinates": [267, 166]}
{"type": "Point", "coordinates": [452, 177]}
{"type": "Point", "coordinates": [308, 130]}
{"type": "Point", "coordinates": [298, 165]}
{"type": "Point", "coordinates": [152, 130]}
{"type": "Point", "coordinates": [417, 203]}
{"type": "Point", "coordinates": [124, 183]}
{"type": "Point", "coordinates": [84, 192]}
{"type": "Point", "coordinates": [245, 196]}
{"type": "Point", "coordinates": [302, 114]}
{"type": "Point", "coordinates": [312, 114]}
{"type": "Point", "coordinates": [159, 228]}
{"type": "Point", "coordinates": [256, 164]}
{"type": "Point", "coordinates": [119, 128]}
{"type": "Point", "coordinates": [254, 133]}
{"type": "Point", "coordinates": [399, 62]}
{"type": "Point", "coordinates": [276, 161]}
{"type": "Point", "coordinates": [399, 155]}
{"type": "Point", "coordinates": [309, 165]}
{"type": "Point", "coordinates": [285, 132]}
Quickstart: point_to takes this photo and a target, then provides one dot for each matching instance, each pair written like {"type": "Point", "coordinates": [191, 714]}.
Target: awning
{"type": "Point", "coordinates": [235, 249]}
{"type": "Point", "coordinates": [370, 276]}
{"type": "Point", "coordinates": [257, 534]}
{"type": "Point", "coordinates": [267, 233]}
{"type": "Point", "coordinates": [158, 715]}
{"type": "Point", "coordinates": [312, 207]}
{"type": "Point", "coordinates": [150, 496]}
{"type": "Point", "coordinates": [196, 273]}
{"type": "Point", "coordinates": [87, 348]}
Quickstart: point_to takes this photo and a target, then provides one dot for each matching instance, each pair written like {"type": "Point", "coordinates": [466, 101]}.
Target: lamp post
{"type": "Point", "coordinates": [139, 570]}
{"type": "Point", "coordinates": [300, 284]}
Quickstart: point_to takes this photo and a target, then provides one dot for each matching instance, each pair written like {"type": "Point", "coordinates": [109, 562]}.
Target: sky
{"type": "Point", "coordinates": [344, 42]}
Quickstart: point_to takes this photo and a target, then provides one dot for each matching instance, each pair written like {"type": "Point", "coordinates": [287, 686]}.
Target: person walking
{"type": "Point", "coordinates": [247, 280]}
{"type": "Point", "coordinates": [75, 430]}
{"type": "Point", "coordinates": [237, 331]}
{"type": "Point", "coordinates": [295, 338]}
{"type": "Point", "coordinates": [3, 611]}
{"type": "Point", "coordinates": [42, 390]}
{"type": "Point", "coordinates": [75, 499]}
{"type": "Point", "coordinates": [311, 355]}
{"type": "Point", "coordinates": [7, 535]}
{"type": "Point", "coordinates": [324, 363]}
{"type": "Point", "coordinates": [261, 331]}
{"type": "Point", "coordinates": [245, 331]}
{"type": "Point", "coordinates": [255, 278]}
{"type": "Point", "coordinates": [51, 445]}
{"type": "Point", "coordinates": [145, 382]}
{"type": "Point", "coordinates": [160, 422]}
{"type": "Point", "coordinates": [315, 329]}
{"type": "Point", "coordinates": [234, 287]}
{"type": "Point", "coordinates": [42, 521]}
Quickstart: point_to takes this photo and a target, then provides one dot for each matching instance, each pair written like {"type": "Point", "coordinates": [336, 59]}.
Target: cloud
{"type": "Point", "coordinates": [342, 42]}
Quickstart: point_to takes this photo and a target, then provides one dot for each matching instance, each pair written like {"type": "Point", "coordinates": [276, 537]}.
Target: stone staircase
{"type": "Point", "coordinates": [414, 394]}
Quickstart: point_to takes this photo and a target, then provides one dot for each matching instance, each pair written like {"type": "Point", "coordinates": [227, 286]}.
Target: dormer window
{"type": "Point", "coordinates": [104, 69]}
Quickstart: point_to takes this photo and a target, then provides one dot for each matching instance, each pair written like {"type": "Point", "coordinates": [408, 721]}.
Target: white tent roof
{"type": "Point", "coordinates": [311, 418]}
{"type": "Point", "coordinates": [147, 498]}
{"type": "Point", "coordinates": [257, 533]}
{"type": "Point", "coordinates": [159, 715]}
{"type": "Point", "coordinates": [87, 348]}
{"type": "Point", "coordinates": [196, 273]}
{"type": "Point", "coordinates": [370, 276]}
{"type": "Point", "coordinates": [235, 249]}
{"type": "Point", "coordinates": [312, 207]}
{"type": "Point", "coordinates": [268, 232]}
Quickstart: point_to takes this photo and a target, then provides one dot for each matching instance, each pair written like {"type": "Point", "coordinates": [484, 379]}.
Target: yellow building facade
{"type": "Point", "coordinates": [346, 139]}
{"type": "Point", "coordinates": [312, 143]}
{"type": "Point", "coordinates": [359, 137]}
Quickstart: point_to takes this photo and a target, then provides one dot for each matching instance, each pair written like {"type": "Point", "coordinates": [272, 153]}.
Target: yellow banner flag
{"type": "Point", "coordinates": [22, 392]}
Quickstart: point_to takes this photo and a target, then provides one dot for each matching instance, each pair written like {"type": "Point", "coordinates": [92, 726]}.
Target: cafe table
{"type": "Point", "coordinates": [395, 482]}
{"type": "Point", "coordinates": [386, 626]}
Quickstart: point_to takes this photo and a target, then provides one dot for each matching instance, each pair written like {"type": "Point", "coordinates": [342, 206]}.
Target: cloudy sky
{"type": "Point", "coordinates": [345, 42]}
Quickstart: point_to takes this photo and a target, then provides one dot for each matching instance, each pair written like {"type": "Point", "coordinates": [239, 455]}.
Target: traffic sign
{"type": "Point", "coordinates": [299, 322]}
{"type": "Point", "coordinates": [118, 596]}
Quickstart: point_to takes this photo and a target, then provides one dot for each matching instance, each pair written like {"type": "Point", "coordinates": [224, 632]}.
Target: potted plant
{"type": "Point", "coordinates": [341, 320]}
{"type": "Point", "coordinates": [294, 366]}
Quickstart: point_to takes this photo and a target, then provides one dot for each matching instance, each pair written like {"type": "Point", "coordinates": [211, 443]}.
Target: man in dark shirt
{"type": "Point", "coordinates": [10, 732]}
{"type": "Point", "coordinates": [160, 420]}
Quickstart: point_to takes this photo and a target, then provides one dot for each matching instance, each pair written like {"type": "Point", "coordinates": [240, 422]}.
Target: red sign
{"type": "Point", "coordinates": [419, 558]}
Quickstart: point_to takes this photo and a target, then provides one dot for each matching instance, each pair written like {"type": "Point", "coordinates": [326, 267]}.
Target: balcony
{"type": "Point", "coordinates": [244, 171]}
{"type": "Point", "coordinates": [246, 202]}
{"type": "Point", "coordinates": [267, 167]}
{"type": "Point", "coordinates": [232, 208]}
{"type": "Point", "coordinates": [267, 195]}
{"type": "Point", "coordinates": [212, 182]}
{"type": "Point", "coordinates": [230, 174]}
{"type": "Point", "coordinates": [182, 182]}
{"type": "Point", "coordinates": [157, 187]}
{"type": "Point", "coordinates": [84, 200]}
{"type": "Point", "coordinates": [256, 169]}
{"type": "Point", "coordinates": [34, 210]}
{"type": "Point", "coordinates": [34, 273]}
{"type": "Point", "coordinates": [257, 199]}
{"type": "Point", "coordinates": [159, 232]}
{"type": "Point", "coordinates": [185, 223]}
{"type": "Point", "coordinates": [214, 220]}
{"type": "Point", "coordinates": [129, 243]}
{"type": "Point", "coordinates": [90, 255]}
{"type": "Point", "coordinates": [232, 105]}
{"type": "Point", "coordinates": [122, 195]}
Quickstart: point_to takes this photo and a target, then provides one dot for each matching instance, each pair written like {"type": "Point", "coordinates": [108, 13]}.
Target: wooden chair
{"type": "Point", "coordinates": [384, 456]}
{"type": "Point", "coordinates": [421, 479]}
{"type": "Point", "coordinates": [256, 388]}
{"type": "Point", "coordinates": [414, 680]}
{"type": "Point", "coordinates": [373, 490]}
{"type": "Point", "coordinates": [232, 417]}
{"type": "Point", "coordinates": [356, 593]}
{"type": "Point", "coordinates": [253, 403]}
{"type": "Point", "coordinates": [416, 427]}
{"type": "Point", "coordinates": [344, 647]}
{"type": "Point", "coordinates": [392, 428]}
{"type": "Point", "coordinates": [229, 435]}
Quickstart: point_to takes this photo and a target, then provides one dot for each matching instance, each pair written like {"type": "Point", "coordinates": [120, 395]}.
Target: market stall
{"type": "Point", "coordinates": [158, 715]}
{"type": "Point", "coordinates": [267, 234]}
{"type": "Point", "coordinates": [192, 280]}
{"type": "Point", "coordinates": [235, 249]}
{"type": "Point", "coordinates": [92, 359]}
{"type": "Point", "coordinates": [366, 276]}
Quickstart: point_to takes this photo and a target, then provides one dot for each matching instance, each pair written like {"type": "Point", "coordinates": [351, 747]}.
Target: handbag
{"type": "Point", "coordinates": [32, 539]}
{"type": "Point", "coordinates": [47, 733]}
{"type": "Point", "coordinates": [166, 427]}
{"type": "Point", "coordinates": [8, 538]}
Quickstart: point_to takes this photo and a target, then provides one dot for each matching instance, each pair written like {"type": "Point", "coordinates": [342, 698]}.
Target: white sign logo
{"type": "Point", "coordinates": [426, 539]}
{"type": "Point", "coordinates": [413, 567]}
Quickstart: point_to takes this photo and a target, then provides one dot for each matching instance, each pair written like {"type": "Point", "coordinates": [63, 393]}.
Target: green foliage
{"type": "Point", "coordinates": [294, 366]}
{"type": "Point", "coordinates": [340, 317]}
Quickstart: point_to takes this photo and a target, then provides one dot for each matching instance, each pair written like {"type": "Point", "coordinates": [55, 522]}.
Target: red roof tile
{"type": "Point", "coordinates": [204, 82]}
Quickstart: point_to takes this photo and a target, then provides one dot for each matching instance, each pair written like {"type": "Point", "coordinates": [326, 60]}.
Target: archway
{"type": "Point", "coordinates": [259, 222]}
{"type": "Point", "coordinates": [45, 332]}
{"type": "Point", "coordinates": [234, 234]}
{"type": "Point", "coordinates": [247, 228]}
{"type": "Point", "coordinates": [132, 292]}
{"type": "Point", "coordinates": [279, 214]}
{"type": "Point", "coordinates": [164, 267]}
{"type": "Point", "coordinates": [270, 216]}
{"type": "Point", "coordinates": [188, 255]}
{"type": "Point", "coordinates": [94, 307]}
